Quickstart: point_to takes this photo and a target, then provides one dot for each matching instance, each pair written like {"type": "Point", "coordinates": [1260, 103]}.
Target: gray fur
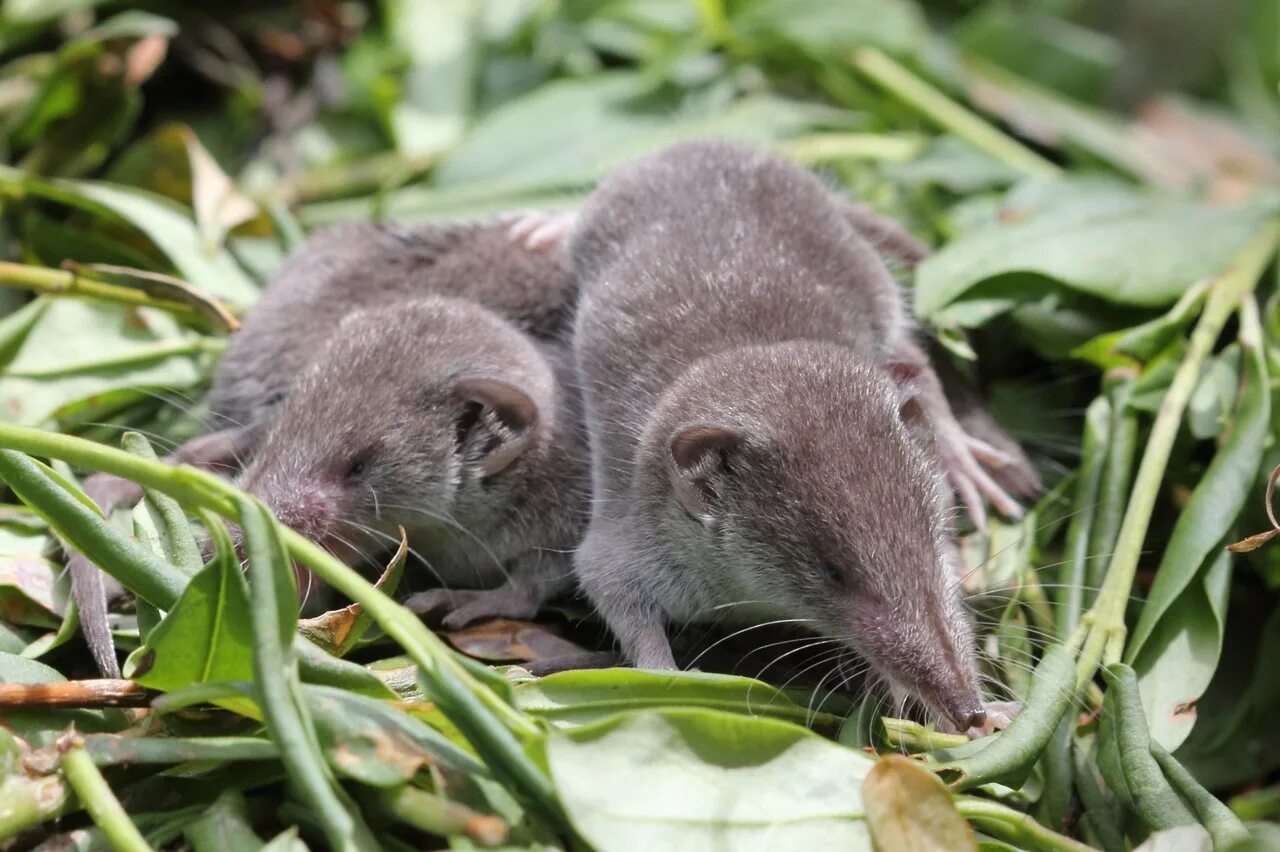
{"type": "Point", "coordinates": [724, 287]}
{"type": "Point", "coordinates": [386, 392]}
{"type": "Point", "coordinates": [360, 265]}
{"type": "Point", "coordinates": [356, 267]}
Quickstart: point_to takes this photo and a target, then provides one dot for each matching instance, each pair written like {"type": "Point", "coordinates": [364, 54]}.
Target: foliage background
{"type": "Point", "coordinates": [1092, 175]}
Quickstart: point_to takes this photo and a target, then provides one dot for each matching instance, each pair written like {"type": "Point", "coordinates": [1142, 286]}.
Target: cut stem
{"type": "Point", "coordinates": [1015, 827]}
{"type": "Point", "coordinates": [95, 794]}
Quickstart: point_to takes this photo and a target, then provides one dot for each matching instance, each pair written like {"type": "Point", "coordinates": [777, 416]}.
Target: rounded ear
{"type": "Point", "coordinates": [496, 425]}
{"type": "Point", "coordinates": [701, 462]}
{"type": "Point", "coordinates": [911, 409]}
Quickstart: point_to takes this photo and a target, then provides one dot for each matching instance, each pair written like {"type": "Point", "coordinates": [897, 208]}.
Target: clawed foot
{"type": "Point", "coordinates": [966, 460]}
{"type": "Point", "coordinates": [540, 230]}
{"type": "Point", "coordinates": [1000, 714]}
{"type": "Point", "coordinates": [467, 605]}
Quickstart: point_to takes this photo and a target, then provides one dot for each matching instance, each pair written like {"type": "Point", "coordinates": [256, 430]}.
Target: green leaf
{"type": "Point", "coordinates": [827, 27]}
{"type": "Point", "coordinates": [1223, 825]}
{"type": "Point", "coordinates": [208, 636]}
{"type": "Point", "coordinates": [134, 566]}
{"type": "Point", "coordinates": [16, 669]}
{"type": "Point", "coordinates": [584, 697]}
{"type": "Point", "coordinates": [1125, 759]}
{"type": "Point", "coordinates": [163, 221]}
{"type": "Point", "coordinates": [1007, 757]}
{"type": "Point", "coordinates": [176, 540]}
{"type": "Point", "coordinates": [909, 808]}
{"type": "Point", "coordinates": [570, 133]}
{"type": "Point", "coordinates": [106, 355]}
{"type": "Point", "coordinates": [700, 779]}
{"type": "Point", "coordinates": [225, 827]}
{"type": "Point", "coordinates": [1129, 249]}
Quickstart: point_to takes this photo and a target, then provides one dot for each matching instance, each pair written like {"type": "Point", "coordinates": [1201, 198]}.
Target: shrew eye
{"type": "Point", "coordinates": [357, 468]}
{"type": "Point", "coordinates": [833, 575]}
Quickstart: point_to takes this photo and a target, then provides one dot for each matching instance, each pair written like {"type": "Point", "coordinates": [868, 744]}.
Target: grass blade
{"type": "Point", "coordinates": [275, 675]}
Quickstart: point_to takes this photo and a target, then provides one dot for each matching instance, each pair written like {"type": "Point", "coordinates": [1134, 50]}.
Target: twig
{"type": "Point", "coordinates": [950, 115]}
{"type": "Point", "coordinates": [74, 693]}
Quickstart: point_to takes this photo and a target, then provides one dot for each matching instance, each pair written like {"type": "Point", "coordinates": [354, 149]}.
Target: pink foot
{"type": "Point", "coordinates": [540, 230]}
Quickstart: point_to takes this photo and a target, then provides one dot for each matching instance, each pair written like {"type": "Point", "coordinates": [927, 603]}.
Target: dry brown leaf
{"type": "Point", "coordinates": [507, 640]}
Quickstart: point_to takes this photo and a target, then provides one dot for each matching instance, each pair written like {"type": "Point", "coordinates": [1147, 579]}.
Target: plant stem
{"type": "Point", "coordinates": [1014, 827]}
{"type": "Point", "coordinates": [950, 115]}
{"type": "Point", "coordinates": [825, 147]}
{"type": "Point", "coordinates": [914, 737]}
{"type": "Point", "coordinates": [432, 814]}
{"type": "Point", "coordinates": [1106, 628]}
{"type": "Point", "coordinates": [96, 796]}
{"type": "Point", "coordinates": [60, 282]}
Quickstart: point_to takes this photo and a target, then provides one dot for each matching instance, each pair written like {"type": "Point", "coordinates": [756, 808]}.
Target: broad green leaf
{"type": "Point", "coordinates": [583, 697]}
{"type": "Point", "coordinates": [1069, 58]}
{"type": "Point", "coordinates": [909, 808]}
{"type": "Point", "coordinates": [225, 827]}
{"type": "Point", "coordinates": [954, 165]}
{"type": "Point", "coordinates": [1134, 250]}
{"type": "Point", "coordinates": [1175, 645]}
{"type": "Point", "coordinates": [827, 27]}
{"type": "Point", "coordinates": [103, 355]}
{"type": "Point", "coordinates": [572, 132]}
{"type": "Point", "coordinates": [439, 39]}
{"type": "Point", "coordinates": [208, 636]}
{"type": "Point", "coordinates": [700, 779]}
{"type": "Point", "coordinates": [15, 669]}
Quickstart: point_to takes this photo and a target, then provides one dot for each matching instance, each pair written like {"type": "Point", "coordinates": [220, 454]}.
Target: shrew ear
{"type": "Point", "coordinates": [906, 377]}
{"type": "Point", "coordinates": [702, 465]}
{"type": "Point", "coordinates": [495, 424]}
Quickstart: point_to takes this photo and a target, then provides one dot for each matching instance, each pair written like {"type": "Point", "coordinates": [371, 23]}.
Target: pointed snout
{"type": "Point", "coordinates": [965, 717]}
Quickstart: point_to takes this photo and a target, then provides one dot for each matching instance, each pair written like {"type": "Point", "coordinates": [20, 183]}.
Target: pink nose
{"type": "Point", "coordinates": [309, 513]}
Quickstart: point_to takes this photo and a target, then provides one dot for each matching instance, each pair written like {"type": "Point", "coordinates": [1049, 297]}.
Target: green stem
{"type": "Point", "coordinates": [60, 282]}
{"type": "Point", "coordinates": [914, 737]}
{"type": "Point", "coordinates": [94, 793]}
{"type": "Point", "coordinates": [434, 815]}
{"type": "Point", "coordinates": [1075, 569]}
{"type": "Point", "coordinates": [950, 115]}
{"type": "Point", "coordinates": [1014, 827]}
{"type": "Point", "coordinates": [1105, 641]}
{"type": "Point", "coordinates": [825, 147]}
